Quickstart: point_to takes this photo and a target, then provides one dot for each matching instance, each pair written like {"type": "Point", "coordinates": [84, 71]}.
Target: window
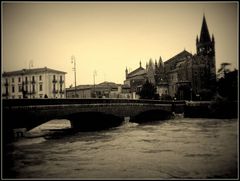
{"type": "Point", "coordinates": [33, 78]}
{"type": "Point", "coordinates": [40, 87]}
{"type": "Point", "coordinates": [60, 87]}
{"type": "Point", "coordinates": [54, 77]}
{"type": "Point", "coordinates": [19, 79]}
{"type": "Point", "coordinates": [19, 88]}
{"type": "Point", "coordinates": [12, 80]}
{"type": "Point", "coordinates": [26, 79]}
{"type": "Point", "coordinates": [33, 88]}
{"type": "Point", "coordinates": [40, 77]}
{"type": "Point", "coordinates": [13, 89]}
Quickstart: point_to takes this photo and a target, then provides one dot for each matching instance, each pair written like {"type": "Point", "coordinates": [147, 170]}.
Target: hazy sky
{"type": "Point", "coordinates": [108, 37]}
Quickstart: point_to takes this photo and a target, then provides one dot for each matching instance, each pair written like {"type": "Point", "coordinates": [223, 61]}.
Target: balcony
{"type": "Point", "coordinates": [6, 84]}
{"type": "Point", "coordinates": [61, 81]}
{"type": "Point", "coordinates": [61, 92]}
{"type": "Point", "coordinates": [33, 82]}
{"type": "Point", "coordinates": [5, 94]}
{"type": "Point", "coordinates": [54, 81]}
{"type": "Point", "coordinates": [30, 92]}
{"type": "Point", "coordinates": [55, 91]}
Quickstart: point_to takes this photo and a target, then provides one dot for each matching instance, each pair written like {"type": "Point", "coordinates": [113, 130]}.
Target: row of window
{"type": "Point", "coordinates": [26, 88]}
{"type": "Point", "coordinates": [33, 78]}
{"type": "Point", "coordinates": [40, 96]}
{"type": "Point", "coordinates": [20, 88]}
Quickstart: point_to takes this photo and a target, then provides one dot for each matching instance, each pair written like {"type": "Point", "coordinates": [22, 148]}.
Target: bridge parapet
{"type": "Point", "coordinates": [22, 102]}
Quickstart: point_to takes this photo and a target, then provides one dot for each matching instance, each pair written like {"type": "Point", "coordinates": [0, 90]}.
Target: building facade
{"type": "Point", "coordinates": [33, 83]}
{"type": "Point", "coordinates": [102, 90]}
{"type": "Point", "coordinates": [184, 75]}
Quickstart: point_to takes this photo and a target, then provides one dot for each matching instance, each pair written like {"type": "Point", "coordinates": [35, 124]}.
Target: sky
{"type": "Point", "coordinates": [107, 37]}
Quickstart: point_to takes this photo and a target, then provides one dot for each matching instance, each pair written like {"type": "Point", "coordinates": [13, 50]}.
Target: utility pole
{"type": "Point", "coordinates": [74, 69]}
{"type": "Point", "coordinates": [30, 66]}
{"type": "Point", "coordinates": [94, 75]}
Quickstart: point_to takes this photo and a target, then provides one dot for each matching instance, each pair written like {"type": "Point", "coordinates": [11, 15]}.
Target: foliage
{"type": "Point", "coordinates": [227, 86]}
{"type": "Point", "coordinates": [206, 94]}
{"type": "Point", "coordinates": [223, 69]}
{"type": "Point", "coordinates": [148, 91]}
{"type": "Point", "coordinates": [184, 92]}
{"type": "Point", "coordinates": [166, 97]}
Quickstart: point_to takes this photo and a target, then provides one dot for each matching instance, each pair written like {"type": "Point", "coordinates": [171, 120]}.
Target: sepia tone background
{"type": "Point", "coordinates": [108, 37]}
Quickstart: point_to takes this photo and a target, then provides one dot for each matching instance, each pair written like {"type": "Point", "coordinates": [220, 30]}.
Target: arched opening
{"type": "Point", "coordinates": [50, 127]}
{"type": "Point", "coordinates": [93, 121]}
{"type": "Point", "coordinates": [151, 115]}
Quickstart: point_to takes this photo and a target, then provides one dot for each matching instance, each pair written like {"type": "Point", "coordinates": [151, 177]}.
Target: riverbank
{"type": "Point", "coordinates": [211, 109]}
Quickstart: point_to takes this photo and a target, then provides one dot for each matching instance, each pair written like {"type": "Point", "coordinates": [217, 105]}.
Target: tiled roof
{"type": "Point", "coordinates": [138, 71]}
{"type": "Point", "coordinates": [181, 54]}
{"type": "Point", "coordinates": [101, 85]}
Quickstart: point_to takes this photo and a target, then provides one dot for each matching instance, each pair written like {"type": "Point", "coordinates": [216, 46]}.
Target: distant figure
{"type": "Point", "coordinates": [45, 96]}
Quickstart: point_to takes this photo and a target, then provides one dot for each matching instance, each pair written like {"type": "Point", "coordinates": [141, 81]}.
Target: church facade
{"type": "Point", "coordinates": [183, 76]}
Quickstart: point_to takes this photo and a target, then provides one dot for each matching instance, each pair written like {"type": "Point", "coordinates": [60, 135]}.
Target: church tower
{"type": "Point", "coordinates": [206, 52]}
{"type": "Point", "coordinates": [205, 44]}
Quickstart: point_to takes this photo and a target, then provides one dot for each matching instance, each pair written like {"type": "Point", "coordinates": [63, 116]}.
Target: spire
{"type": "Point", "coordinates": [140, 63]}
{"type": "Point", "coordinates": [156, 66]}
{"type": "Point", "coordinates": [204, 36]}
{"type": "Point", "coordinates": [213, 39]}
{"type": "Point", "coordinates": [197, 39]}
{"type": "Point", "coordinates": [150, 62]}
{"type": "Point", "coordinates": [160, 63]}
{"type": "Point", "coordinates": [126, 73]}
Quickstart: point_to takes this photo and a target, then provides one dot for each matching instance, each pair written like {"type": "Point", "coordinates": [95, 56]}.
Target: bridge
{"type": "Point", "coordinates": [84, 113]}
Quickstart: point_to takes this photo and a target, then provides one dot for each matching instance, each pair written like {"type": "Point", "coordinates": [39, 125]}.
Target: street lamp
{"type": "Point", "coordinates": [94, 75]}
{"type": "Point", "coordinates": [74, 69]}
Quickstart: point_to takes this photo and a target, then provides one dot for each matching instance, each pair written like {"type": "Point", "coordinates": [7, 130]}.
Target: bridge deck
{"type": "Point", "coordinates": [26, 102]}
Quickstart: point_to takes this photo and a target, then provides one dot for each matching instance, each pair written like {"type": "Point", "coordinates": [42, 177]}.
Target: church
{"type": "Point", "coordinates": [185, 76]}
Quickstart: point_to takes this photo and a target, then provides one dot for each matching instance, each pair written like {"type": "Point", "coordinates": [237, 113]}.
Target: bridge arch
{"type": "Point", "coordinates": [92, 121]}
{"type": "Point", "coordinates": [29, 113]}
{"type": "Point", "coordinates": [152, 115]}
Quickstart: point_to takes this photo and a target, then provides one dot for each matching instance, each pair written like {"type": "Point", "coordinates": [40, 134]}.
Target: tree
{"type": "Point", "coordinates": [227, 86]}
{"type": "Point", "coordinates": [223, 69]}
{"type": "Point", "coordinates": [148, 91]}
{"type": "Point", "coordinates": [206, 94]}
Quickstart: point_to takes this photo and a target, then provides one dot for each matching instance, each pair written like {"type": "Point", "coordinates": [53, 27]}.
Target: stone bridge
{"type": "Point", "coordinates": [84, 113]}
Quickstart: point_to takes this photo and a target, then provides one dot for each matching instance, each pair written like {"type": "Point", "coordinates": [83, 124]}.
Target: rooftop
{"type": "Point", "coordinates": [32, 71]}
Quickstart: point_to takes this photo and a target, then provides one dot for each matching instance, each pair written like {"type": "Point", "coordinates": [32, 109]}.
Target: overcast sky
{"type": "Point", "coordinates": [108, 37]}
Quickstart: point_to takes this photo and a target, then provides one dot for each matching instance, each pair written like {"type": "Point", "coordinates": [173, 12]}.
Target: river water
{"type": "Point", "coordinates": [178, 148]}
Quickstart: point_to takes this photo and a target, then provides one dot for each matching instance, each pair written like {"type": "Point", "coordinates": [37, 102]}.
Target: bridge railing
{"type": "Point", "coordinates": [26, 102]}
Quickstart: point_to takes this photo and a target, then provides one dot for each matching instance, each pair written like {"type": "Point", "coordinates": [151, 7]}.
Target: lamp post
{"type": "Point", "coordinates": [74, 69]}
{"type": "Point", "coordinates": [94, 75]}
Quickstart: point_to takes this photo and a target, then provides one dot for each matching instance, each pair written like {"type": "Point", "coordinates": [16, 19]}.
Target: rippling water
{"type": "Point", "coordinates": [178, 148]}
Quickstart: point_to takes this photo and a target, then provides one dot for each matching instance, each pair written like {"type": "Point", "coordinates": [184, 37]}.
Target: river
{"type": "Point", "coordinates": [192, 148]}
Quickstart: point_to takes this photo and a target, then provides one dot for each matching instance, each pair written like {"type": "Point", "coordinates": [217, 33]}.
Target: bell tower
{"type": "Point", "coordinates": [206, 55]}
{"type": "Point", "coordinates": [205, 44]}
